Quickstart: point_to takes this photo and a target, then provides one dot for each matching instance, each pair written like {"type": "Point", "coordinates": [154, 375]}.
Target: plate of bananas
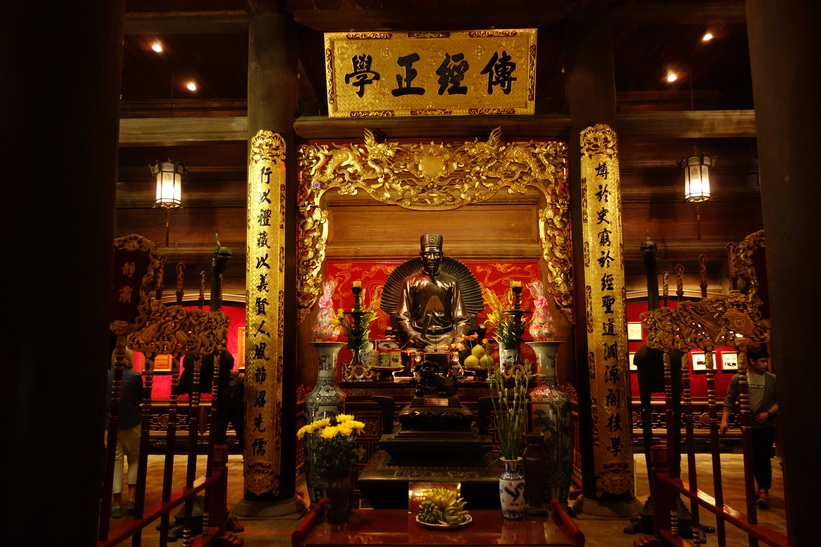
{"type": "Point", "coordinates": [444, 526]}
{"type": "Point", "coordinates": [443, 509]}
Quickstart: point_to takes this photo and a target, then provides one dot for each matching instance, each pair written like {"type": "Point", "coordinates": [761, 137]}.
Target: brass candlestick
{"type": "Point", "coordinates": [517, 313]}
{"type": "Point", "coordinates": [357, 330]}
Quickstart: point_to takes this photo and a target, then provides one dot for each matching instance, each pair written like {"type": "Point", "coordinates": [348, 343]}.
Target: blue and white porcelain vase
{"type": "Point", "coordinates": [325, 400]}
{"type": "Point", "coordinates": [512, 490]}
{"type": "Point", "coordinates": [551, 416]}
{"type": "Point", "coordinates": [508, 358]}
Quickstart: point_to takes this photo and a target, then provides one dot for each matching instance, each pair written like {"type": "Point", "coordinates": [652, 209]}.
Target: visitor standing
{"type": "Point", "coordinates": [763, 411]}
{"type": "Point", "coordinates": [128, 433]}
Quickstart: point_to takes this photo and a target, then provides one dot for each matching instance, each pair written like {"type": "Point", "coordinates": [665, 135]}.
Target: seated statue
{"type": "Point", "coordinates": [431, 314]}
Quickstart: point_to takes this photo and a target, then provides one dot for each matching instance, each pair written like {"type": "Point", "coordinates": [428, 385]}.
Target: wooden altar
{"type": "Point", "coordinates": [399, 527]}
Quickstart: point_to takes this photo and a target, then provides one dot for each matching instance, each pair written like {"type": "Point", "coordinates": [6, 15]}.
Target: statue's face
{"type": "Point", "coordinates": [431, 258]}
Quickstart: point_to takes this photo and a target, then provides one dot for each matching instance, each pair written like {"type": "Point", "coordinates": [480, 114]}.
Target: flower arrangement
{"type": "Point", "coordinates": [504, 324]}
{"type": "Point", "coordinates": [333, 444]}
{"type": "Point", "coordinates": [357, 335]}
{"type": "Point", "coordinates": [509, 408]}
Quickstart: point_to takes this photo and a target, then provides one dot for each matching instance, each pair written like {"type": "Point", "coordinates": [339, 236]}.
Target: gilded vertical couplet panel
{"type": "Point", "coordinates": [606, 311]}
{"type": "Point", "coordinates": [264, 312]}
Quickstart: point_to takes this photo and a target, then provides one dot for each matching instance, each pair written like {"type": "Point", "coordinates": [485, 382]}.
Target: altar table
{"type": "Point", "coordinates": [399, 527]}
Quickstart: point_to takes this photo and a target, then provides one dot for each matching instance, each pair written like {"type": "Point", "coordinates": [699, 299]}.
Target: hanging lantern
{"type": "Point", "coordinates": [169, 188]}
{"type": "Point", "coordinates": [696, 178]}
{"type": "Point", "coordinates": [169, 183]}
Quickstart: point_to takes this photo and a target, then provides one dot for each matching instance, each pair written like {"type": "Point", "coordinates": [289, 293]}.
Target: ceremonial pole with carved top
{"type": "Point", "coordinates": [219, 385]}
{"type": "Point", "coordinates": [665, 295]}
{"type": "Point", "coordinates": [201, 300]}
{"type": "Point", "coordinates": [193, 422]}
{"type": "Point", "coordinates": [670, 422]}
{"type": "Point", "coordinates": [148, 385]}
{"type": "Point", "coordinates": [180, 275]}
{"type": "Point", "coordinates": [159, 279]}
{"type": "Point", "coordinates": [171, 431]}
{"type": "Point", "coordinates": [132, 281]}
{"type": "Point", "coordinates": [170, 438]}
{"type": "Point", "coordinates": [743, 395]}
{"type": "Point", "coordinates": [686, 381]}
{"type": "Point", "coordinates": [709, 353]}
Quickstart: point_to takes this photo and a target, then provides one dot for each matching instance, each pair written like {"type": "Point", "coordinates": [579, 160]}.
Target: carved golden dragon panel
{"type": "Point", "coordinates": [733, 320]}
{"type": "Point", "coordinates": [430, 177]}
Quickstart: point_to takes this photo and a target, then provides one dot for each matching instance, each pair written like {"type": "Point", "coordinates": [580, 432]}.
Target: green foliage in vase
{"type": "Point", "coordinates": [509, 398]}
{"type": "Point", "coordinates": [503, 323]}
{"type": "Point", "coordinates": [357, 337]}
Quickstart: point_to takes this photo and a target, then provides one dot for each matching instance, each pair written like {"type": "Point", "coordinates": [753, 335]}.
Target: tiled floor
{"type": "Point", "coordinates": [599, 531]}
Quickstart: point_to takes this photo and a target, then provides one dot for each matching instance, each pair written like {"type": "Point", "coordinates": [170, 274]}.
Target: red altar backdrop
{"type": "Point", "coordinates": [495, 276]}
{"type": "Point", "coordinates": [492, 275]}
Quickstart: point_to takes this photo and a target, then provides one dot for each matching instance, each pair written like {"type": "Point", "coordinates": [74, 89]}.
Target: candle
{"type": "Point", "coordinates": [357, 284]}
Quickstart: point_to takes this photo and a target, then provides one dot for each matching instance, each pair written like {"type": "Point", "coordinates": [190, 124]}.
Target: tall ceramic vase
{"type": "Point", "coordinates": [551, 416]}
{"type": "Point", "coordinates": [325, 400]}
{"type": "Point", "coordinates": [512, 491]}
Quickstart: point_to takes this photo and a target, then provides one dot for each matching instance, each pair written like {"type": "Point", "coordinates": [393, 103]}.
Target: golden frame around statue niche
{"type": "Point", "coordinates": [435, 177]}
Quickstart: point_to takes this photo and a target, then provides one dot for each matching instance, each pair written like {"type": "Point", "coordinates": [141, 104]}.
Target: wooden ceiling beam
{"type": "Point", "coordinates": [691, 124]}
{"type": "Point", "coordinates": [176, 131]}
{"type": "Point", "coordinates": [201, 22]}
{"type": "Point", "coordinates": [683, 14]}
{"type": "Point", "coordinates": [649, 125]}
{"type": "Point", "coordinates": [343, 20]}
{"type": "Point", "coordinates": [340, 20]}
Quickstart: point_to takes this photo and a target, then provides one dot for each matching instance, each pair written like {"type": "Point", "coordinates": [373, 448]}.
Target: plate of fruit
{"type": "Point", "coordinates": [443, 509]}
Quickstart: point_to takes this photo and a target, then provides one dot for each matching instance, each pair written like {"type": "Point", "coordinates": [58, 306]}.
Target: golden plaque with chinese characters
{"type": "Point", "coordinates": [437, 73]}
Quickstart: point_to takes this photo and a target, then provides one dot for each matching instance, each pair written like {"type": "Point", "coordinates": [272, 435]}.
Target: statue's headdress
{"type": "Point", "coordinates": [430, 241]}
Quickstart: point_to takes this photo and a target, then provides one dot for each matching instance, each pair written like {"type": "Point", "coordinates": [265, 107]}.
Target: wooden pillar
{"type": "Point", "coordinates": [61, 69]}
{"type": "Point", "coordinates": [591, 97]}
{"type": "Point", "coordinates": [270, 450]}
{"type": "Point", "coordinates": [785, 47]}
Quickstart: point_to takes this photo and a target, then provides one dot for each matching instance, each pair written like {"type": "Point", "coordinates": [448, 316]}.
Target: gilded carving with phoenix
{"type": "Point", "coordinates": [176, 331]}
{"type": "Point", "coordinates": [162, 333]}
{"type": "Point", "coordinates": [733, 320]}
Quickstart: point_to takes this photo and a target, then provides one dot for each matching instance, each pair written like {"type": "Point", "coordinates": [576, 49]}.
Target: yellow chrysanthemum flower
{"type": "Point", "coordinates": [329, 432]}
{"type": "Point", "coordinates": [343, 418]}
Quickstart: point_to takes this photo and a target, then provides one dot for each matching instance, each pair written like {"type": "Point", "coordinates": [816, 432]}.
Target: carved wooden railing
{"type": "Point", "coordinates": [147, 326]}
{"type": "Point", "coordinates": [733, 320]}
{"type": "Point", "coordinates": [668, 489]}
